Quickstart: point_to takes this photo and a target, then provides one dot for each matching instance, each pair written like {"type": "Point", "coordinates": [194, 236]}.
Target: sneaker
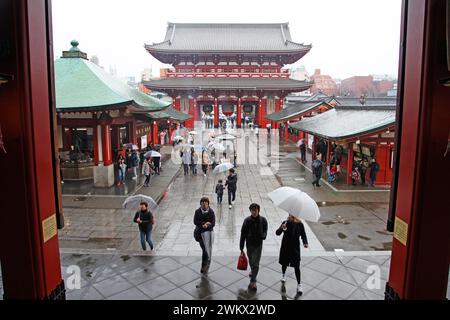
{"type": "Point", "coordinates": [283, 278]}
{"type": "Point", "coordinates": [299, 289]}
{"type": "Point", "coordinates": [230, 206]}
{"type": "Point", "coordinates": [252, 286]}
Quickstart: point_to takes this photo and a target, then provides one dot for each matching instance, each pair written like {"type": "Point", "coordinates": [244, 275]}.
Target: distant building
{"type": "Point", "coordinates": [357, 85]}
{"type": "Point", "coordinates": [323, 83]}
{"type": "Point", "coordinates": [146, 74]}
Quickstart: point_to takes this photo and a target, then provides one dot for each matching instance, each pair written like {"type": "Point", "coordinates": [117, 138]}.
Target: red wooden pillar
{"type": "Point", "coordinates": [239, 113]}
{"type": "Point", "coordinates": [216, 113]}
{"type": "Point", "coordinates": [29, 246]}
{"type": "Point", "coordinates": [195, 111]}
{"type": "Point", "coordinates": [286, 132]}
{"type": "Point", "coordinates": [169, 131]}
{"type": "Point", "coordinates": [155, 133]}
{"type": "Point", "coordinates": [349, 162]}
{"type": "Point", "coordinates": [328, 152]}
{"type": "Point", "coordinates": [418, 207]}
{"type": "Point", "coordinates": [106, 144]}
{"type": "Point", "coordinates": [132, 132]}
{"type": "Point", "coordinates": [314, 148]}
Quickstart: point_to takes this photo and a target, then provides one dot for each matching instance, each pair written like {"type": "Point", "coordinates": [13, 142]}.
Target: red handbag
{"type": "Point", "coordinates": [242, 262]}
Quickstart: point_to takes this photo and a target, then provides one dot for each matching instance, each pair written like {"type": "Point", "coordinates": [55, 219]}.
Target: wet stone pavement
{"type": "Point", "coordinates": [111, 276]}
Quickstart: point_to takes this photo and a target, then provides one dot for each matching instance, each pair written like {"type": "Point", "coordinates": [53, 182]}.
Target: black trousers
{"type": "Point", "coordinates": [231, 195]}
{"type": "Point", "coordinates": [297, 272]}
{"type": "Point", "coordinates": [316, 180]}
{"type": "Point", "coordinates": [205, 168]}
{"type": "Point", "coordinates": [147, 180]}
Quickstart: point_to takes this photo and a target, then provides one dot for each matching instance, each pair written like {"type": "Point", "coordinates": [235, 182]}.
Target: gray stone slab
{"type": "Point", "coordinates": [176, 294]}
{"type": "Point", "coordinates": [337, 288]}
{"type": "Point", "coordinates": [112, 286]}
{"type": "Point", "coordinates": [156, 287]}
{"type": "Point", "coordinates": [130, 294]}
{"type": "Point", "coordinates": [225, 276]}
{"type": "Point", "coordinates": [181, 276]}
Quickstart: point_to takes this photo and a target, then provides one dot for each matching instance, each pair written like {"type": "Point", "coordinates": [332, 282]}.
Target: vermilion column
{"type": "Point", "coordinates": [170, 131]}
{"type": "Point", "coordinates": [349, 162]}
{"type": "Point", "coordinates": [106, 144]}
{"type": "Point", "coordinates": [239, 113]}
{"type": "Point", "coordinates": [155, 132]}
{"type": "Point", "coordinates": [313, 156]}
{"type": "Point", "coordinates": [216, 113]}
{"type": "Point", "coordinates": [286, 132]}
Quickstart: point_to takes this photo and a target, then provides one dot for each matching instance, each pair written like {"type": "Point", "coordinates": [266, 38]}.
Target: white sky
{"type": "Point", "coordinates": [349, 37]}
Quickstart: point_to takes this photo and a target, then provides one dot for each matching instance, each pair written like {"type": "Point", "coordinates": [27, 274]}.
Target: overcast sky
{"type": "Point", "coordinates": [349, 37]}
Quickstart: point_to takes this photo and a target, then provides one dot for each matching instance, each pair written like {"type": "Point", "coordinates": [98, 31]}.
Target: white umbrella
{"type": "Point", "coordinates": [130, 146]}
{"type": "Point", "coordinates": [296, 203]}
{"type": "Point", "coordinates": [152, 154]}
{"type": "Point", "coordinates": [223, 167]}
{"type": "Point", "coordinates": [227, 137]}
{"type": "Point", "coordinates": [300, 142]}
{"type": "Point", "coordinates": [133, 202]}
{"type": "Point", "coordinates": [192, 132]}
{"type": "Point", "coordinates": [218, 147]}
{"type": "Point", "coordinates": [176, 138]}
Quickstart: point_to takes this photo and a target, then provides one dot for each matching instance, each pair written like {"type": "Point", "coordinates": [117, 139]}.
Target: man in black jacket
{"type": "Point", "coordinates": [232, 186]}
{"type": "Point", "coordinates": [253, 232]}
{"type": "Point", "coordinates": [204, 220]}
{"type": "Point", "coordinates": [145, 220]}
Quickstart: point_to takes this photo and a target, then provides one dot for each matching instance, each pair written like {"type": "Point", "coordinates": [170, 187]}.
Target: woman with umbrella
{"type": "Point", "coordinates": [292, 230]}
{"type": "Point", "coordinates": [299, 205]}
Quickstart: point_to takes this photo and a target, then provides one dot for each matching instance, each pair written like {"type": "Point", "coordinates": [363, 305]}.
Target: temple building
{"type": "Point", "coordinates": [363, 128]}
{"type": "Point", "coordinates": [227, 68]}
{"type": "Point", "coordinates": [97, 115]}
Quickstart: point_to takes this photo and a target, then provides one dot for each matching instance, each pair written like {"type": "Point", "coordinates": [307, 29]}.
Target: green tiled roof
{"type": "Point", "coordinates": [170, 113]}
{"type": "Point", "coordinates": [81, 85]}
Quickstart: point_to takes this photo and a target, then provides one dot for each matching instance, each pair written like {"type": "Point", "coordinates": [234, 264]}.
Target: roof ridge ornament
{"type": "Point", "coordinates": [74, 51]}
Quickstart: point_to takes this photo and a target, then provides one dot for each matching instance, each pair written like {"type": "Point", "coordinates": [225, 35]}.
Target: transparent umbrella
{"type": "Point", "coordinates": [133, 202]}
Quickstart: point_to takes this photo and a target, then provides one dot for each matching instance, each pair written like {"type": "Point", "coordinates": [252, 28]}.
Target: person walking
{"type": "Point", "coordinates": [268, 127]}
{"type": "Point", "coordinates": [303, 150]}
{"type": "Point", "coordinates": [145, 220]}
{"type": "Point", "coordinates": [219, 191]}
{"type": "Point", "coordinates": [253, 233]}
{"type": "Point", "coordinates": [186, 159]}
{"type": "Point", "coordinates": [374, 168]}
{"type": "Point", "coordinates": [194, 161]}
{"type": "Point", "coordinates": [134, 163]}
{"type": "Point", "coordinates": [147, 170]}
{"type": "Point", "coordinates": [231, 183]}
{"type": "Point", "coordinates": [292, 230]}
{"type": "Point", "coordinates": [205, 162]}
{"type": "Point", "coordinates": [317, 166]}
{"type": "Point", "coordinates": [204, 221]}
{"type": "Point", "coordinates": [122, 170]}
{"type": "Point", "coordinates": [157, 164]}
{"type": "Point", "coordinates": [363, 170]}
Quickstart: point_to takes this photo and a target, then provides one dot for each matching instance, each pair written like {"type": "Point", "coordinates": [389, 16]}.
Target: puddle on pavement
{"type": "Point", "coordinates": [342, 235]}
{"type": "Point", "coordinates": [385, 233]}
{"type": "Point", "coordinates": [386, 246]}
{"type": "Point", "coordinates": [328, 223]}
{"type": "Point", "coordinates": [364, 237]}
{"type": "Point", "coordinates": [125, 258]}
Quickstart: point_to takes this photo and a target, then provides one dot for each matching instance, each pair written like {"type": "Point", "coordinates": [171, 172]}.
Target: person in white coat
{"type": "Point", "coordinates": [186, 160]}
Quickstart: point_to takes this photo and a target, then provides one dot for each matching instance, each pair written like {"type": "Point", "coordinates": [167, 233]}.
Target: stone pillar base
{"type": "Point", "coordinates": [104, 176]}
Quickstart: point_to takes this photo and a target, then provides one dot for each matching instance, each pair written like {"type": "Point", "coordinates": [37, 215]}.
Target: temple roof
{"type": "Point", "coordinates": [81, 85]}
{"type": "Point", "coordinates": [228, 37]}
{"type": "Point", "coordinates": [370, 101]}
{"type": "Point", "coordinates": [295, 109]}
{"type": "Point", "coordinates": [344, 122]}
{"type": "Point", "coordinates": [170, 113]}
{"type": "Point", "coordinates": [227, 83]}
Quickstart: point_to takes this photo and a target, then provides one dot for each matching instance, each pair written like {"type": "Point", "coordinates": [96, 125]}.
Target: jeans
{"type": "Point", "coordinates": [254, 256]}
{"type": "Point", "coordinates": [303, 155]}
{"type": "Point", "coordinates": [121, 175]}
{"type": "Point", "coordinates": [194, 168]}
{"type": "Point", "coordinates": [373, 177]}
{"type": "Point", "coordinates": [157, 169]}
{"type": "Point", "coordinates": [135, 172]}
{"type": "Point", "coordinates": [186, 168]}
{"type": "Point", "coordinates": [231, 195]}
{"type": "Point", "coordinates": [316, 180]}
{"type": "Point", "coordinates": [146, 236]}
{"type": "Point", "coordinates": [219, 198]}
{"type": "Point", "coordinates": [297, 272]}
{"type": "Point", "coordinates": [206, 260]}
